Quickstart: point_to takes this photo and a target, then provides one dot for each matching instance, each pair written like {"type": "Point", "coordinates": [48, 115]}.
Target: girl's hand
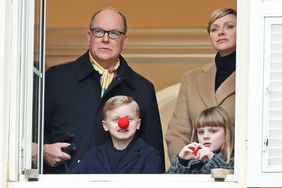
{"type": "Point", "coordinates": [204, 154]}
{"type": "Point", "coordinates": [187, 151]}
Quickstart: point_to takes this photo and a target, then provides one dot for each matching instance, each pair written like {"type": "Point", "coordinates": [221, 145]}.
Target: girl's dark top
{"type": "Point", "coordinates": [195, 166]}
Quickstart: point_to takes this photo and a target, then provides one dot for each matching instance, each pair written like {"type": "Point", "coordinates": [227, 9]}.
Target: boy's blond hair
{"type": "Point", "coordinates": [118, 101]}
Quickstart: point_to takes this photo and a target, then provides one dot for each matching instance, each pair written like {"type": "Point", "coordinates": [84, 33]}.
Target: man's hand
{"type": "Point", "coordinates": [34, 153]}
{"type": "Point", "coordinates": [53, 155]}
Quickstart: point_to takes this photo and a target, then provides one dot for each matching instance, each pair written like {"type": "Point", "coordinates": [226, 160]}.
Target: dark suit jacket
{"type": "Point", "coordinates": [73, 105]}
{"type": "Point", "coordinates": [139, 158]}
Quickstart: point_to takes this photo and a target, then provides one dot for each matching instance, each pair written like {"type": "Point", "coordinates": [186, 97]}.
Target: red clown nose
{"type": "Point", "coordinates": [195, 152]}
{"type": "Point", "coordinates": [123, 122]}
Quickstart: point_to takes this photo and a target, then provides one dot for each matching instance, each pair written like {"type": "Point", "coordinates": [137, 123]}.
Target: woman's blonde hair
{"type": "Point", "coordinates": [119, 101]}
{"type": "Point", "coordinates": [217, 117]}
{"type": "Point", "coordinates": [219, 13]}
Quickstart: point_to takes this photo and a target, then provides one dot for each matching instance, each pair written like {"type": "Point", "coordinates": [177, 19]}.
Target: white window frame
{"type": "Point", "coordinates": [266, 102]}
{"type": "Point", "coordinates": [4, 18]}
{"type": "Point", "coordinates": [16, 87]}
{"type": "Point", "coordinates": [238, 179]}
{"type": "Point", "coordinates": [255, 175]}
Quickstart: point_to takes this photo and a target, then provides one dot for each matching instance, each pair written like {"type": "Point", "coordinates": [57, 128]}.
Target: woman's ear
{"type": "Point", "coordinates": [105, 126]}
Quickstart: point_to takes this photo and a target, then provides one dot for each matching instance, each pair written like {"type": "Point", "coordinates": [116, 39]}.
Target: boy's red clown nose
{"type": "Point", "coordinates": [123, 122]}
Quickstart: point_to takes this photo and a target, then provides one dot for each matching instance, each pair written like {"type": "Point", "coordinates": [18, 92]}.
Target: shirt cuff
{"type": "Point", "coordinates": [183, 162]}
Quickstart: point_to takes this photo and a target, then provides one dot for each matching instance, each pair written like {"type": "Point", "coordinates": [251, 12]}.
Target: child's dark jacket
{"type": "Point", "coordinates": [195, 166]}
{"type": "Point", "coordinates": [140, 158]}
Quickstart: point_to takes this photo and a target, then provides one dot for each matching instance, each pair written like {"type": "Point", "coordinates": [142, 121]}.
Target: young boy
{"type": "Point", "coordinates": [213, 147]}
{"type": "Point", "coordinates": [125, 152]}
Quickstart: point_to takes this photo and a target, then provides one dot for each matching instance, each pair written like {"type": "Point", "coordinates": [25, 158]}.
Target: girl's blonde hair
{"type": "Point", "coordinates": [217, 117]}
{"type": "Point", "coordinates": [219, 13]}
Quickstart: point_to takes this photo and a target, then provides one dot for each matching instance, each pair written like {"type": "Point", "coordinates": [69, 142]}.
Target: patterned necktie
{"type": "Point", "coordinates": [107, 75]}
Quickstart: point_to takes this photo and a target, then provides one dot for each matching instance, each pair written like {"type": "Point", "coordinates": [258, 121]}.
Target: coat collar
{"type": "Point", "coordinates": [124, 72]}
{"type": "Point", "coordinates": [84, 69]}
{"type": "Point", "coordinates": [133, 152]}
{"type": "Point", "coordinates": [226, 89]}
{"type": "Point", "coordinates": [207, 91]}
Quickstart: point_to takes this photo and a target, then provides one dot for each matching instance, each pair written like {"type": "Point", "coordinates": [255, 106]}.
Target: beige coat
{"type": "Point", "coordinates": [197, 92]}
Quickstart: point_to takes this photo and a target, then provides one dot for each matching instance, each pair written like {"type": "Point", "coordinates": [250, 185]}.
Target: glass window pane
{"type": "Point", "coordinates": [37, 84]}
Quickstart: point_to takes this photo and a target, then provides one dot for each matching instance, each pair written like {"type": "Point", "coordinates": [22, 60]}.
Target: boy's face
{"type": "Point", "coordinates": [211, 137]}
{"type": "Point", "coordinates": [110, 123]}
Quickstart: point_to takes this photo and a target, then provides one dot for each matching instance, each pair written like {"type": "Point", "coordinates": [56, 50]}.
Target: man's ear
{"type": "Point", "coordinates": [125, 39]}
{"type": "Point", "coordinates": [88, 38]}
{"type": "Point", "coordinates": [105, 126]}
{"type": "Point", "coordinates": [138, 124]}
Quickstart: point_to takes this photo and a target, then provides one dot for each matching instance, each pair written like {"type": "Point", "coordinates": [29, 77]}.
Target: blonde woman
{"type": "Point", "coordinates": [211, 85]}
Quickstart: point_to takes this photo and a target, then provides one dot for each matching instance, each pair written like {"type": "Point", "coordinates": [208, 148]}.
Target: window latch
{"type": "Point", "coordinates": [219, 174]}
{"type": "Point", "coordinates": [265, 145]}
{"type": "Point", "coordinates": [31, 174]}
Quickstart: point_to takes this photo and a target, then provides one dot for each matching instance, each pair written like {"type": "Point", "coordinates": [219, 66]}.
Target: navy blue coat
{"type": "Point", "coordinates": [73, 105]}
{"type": "Point", "coordinates": [140, 158]}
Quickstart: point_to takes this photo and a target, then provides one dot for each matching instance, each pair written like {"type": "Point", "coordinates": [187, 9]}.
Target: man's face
{"type": "Point", "coordinates": [110, 123]}
{"type": "Point", "coordinates": [106, 50]}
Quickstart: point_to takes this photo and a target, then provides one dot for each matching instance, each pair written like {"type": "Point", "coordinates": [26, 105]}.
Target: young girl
{"type": "Point", "coordinates": [213, 146]}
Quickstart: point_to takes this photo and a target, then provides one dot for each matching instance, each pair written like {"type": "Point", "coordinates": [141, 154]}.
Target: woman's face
{"type": "Point", "coordinates": [223, 34]}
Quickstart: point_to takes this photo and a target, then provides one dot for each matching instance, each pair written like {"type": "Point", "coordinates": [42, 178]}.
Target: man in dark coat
{"type": "Point", "coordinates": [76, 92]}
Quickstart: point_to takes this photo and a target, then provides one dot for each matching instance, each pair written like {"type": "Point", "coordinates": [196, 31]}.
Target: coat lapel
{"type": "Point", "coordinates": [103, 157]}
{"type": "Point", "coordinates": [206, 89]}
{"type": "Point", "coordinates": [130, 155]}
{"type": "Point", "coordinates": [207, 93]}
{"type": "Point", "coordinates": [226, 89]}
{"type": "Point", "coordinates": [124, 73]}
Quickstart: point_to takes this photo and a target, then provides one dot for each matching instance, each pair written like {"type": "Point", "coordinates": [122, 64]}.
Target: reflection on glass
{"type": "Point", "coordinates": [36, 81]}
{"type": "Point", "coordinates": [35, 120]}
{"type": "Point", "coordinates": [36, 34]}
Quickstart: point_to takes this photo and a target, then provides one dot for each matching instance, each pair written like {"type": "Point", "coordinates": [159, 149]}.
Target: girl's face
{"type": "Point", "coordinates": [223, 34]}
{"type": "Point", "coordinates": [211, 137]}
